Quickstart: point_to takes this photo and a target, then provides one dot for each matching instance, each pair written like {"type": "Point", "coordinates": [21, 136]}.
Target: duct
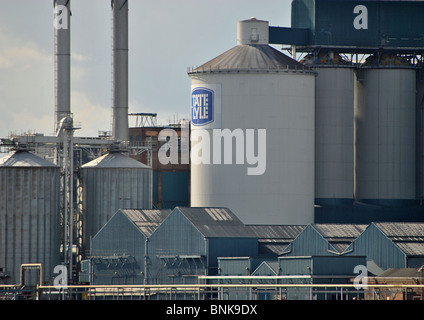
{"type": "Point", "coordinates": [120, 70]}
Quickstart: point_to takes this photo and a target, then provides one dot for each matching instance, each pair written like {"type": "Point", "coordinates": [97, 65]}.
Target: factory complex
{"type": "Point", "coordinates": [299, 176]}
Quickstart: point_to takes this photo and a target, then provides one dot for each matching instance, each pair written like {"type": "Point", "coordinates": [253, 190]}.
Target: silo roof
{"type": "Point", "coordinates": [24, 159]}
{"type": "Point", "coordinates": [114, 160]}
{"type": "Point", "coordinates": [251, 58]}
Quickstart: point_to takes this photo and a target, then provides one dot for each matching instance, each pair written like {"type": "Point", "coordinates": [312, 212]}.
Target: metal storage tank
{"type": "Point", "coordinates": [111, 182]}
{"type": "Point", "coordinates": [385, 132]}
{"type": "Point", "coordinates": [334, 118]}
{"type": "Point", "coordinates": [254, 86]}
{"type": "Point", "coordinates": [29, 215]}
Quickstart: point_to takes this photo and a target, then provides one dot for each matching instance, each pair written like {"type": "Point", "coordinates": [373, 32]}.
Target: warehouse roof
{"type": "Point", "coordinates": [340, 236]}
{"type": "Point", "coordinates": [274, 238]}
{"type": "Point", "coordinates": [409, 237]}
{"type": "Point", "coordinates": [146, 220]}
{"type": "Point", "coordinates": [214, 222]}
{"type": "Point", "coordinates": [250, 58]}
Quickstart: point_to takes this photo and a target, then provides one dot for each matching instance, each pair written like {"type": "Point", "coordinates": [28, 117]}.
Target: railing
{"type": "Point", "coordinates": [232, 292]}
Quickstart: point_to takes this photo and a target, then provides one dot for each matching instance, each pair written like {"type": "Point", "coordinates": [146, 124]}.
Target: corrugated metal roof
{"type": "Point", "coordinates": [274, 238]}
{"type": "Point", "coordinates": [215, 222]}
{"type": "Point", "coordinates": [409, 237]}
{"type": "Point", "coordinates": [114, 160]}
{"type": "Point", "coordinates": [24, 159]}
{"type": "Point", "coordinates": [288, 232]}
{"type": "Point", "coordinates": [146, 220]}
{"type": "Point", "coordinates": [251, 57]}
{"type": "Point", "coordinates": [340, 236]}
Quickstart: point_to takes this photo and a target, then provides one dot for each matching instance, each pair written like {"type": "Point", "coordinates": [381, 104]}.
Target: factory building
{"type": "Point", "coordinates": [391, 245]}
{"type": "Point", "coordinates": [324, 239]}
{"type": "Point", "coordinates": [171, 181]}
{"type": "Point", "coordinates": [119, 251]}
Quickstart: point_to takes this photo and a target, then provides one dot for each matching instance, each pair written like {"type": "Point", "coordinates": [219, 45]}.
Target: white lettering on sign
{"type": "Point", "coordinates": [361, 20]}
{"type": "Point", "coordinates": [200, 106]}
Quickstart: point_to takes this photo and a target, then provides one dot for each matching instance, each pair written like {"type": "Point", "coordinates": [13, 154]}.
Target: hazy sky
{"type": "Point", "coordinates": [166, 37]}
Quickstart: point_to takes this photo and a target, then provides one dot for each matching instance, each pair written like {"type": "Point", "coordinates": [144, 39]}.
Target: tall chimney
{"type": "Point", "coordinates": [62, 14]}
{"type": "Point", "coordinates": [120, 70]}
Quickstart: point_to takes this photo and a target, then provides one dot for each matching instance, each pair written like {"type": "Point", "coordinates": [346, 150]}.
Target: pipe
{"type": "Point", "coordinates": [62, 12]}
{"type": "Point", "coordinates": [120, 70]}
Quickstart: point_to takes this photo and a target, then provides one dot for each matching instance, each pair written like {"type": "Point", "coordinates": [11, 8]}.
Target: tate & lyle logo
{"type": "Point", "coordinates": [202, 104]}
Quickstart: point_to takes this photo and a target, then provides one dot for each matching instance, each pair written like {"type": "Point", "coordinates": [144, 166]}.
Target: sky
{"type": "Point", "coordinates": [165, 38]}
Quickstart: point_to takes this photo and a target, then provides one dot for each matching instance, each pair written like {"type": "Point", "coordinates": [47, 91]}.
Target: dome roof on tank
{"type": "Point", "coordinates": [22, 158]}
{"type": "Point", "coordinates": [115, 160]}
{"type": "Point", "coordinates": [250, 58]}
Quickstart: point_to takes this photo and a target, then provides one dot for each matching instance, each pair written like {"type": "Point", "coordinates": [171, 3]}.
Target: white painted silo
{"type": "Point", "coordinates": [334, 129]}
{"type": "Point", "coordinates": [385, 132]}
{"type": "Point", "coordinates": [111, 182]}
{"type": "Point", "coordinates": [254, 86]}
{"type": "Point", "coordinates": [29, 215]}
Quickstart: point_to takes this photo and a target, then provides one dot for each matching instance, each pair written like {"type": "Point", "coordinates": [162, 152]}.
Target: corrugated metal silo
{"type": "Point", "coordinates": [254, 86]}
{"type": "Point", "coordinates": [385, 132]}
{"type": "Point", "coordinates": [334, 119]}
{"type": "Point", "coordinates": [111, 182]}
{"type": "Point", "coordinates": [29, 215]}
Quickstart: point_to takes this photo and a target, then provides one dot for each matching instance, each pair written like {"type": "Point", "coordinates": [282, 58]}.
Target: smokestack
{"type": "Point", "coordinates": [120, 70]}
{"type": "Point", "coordinates": [62, 14]}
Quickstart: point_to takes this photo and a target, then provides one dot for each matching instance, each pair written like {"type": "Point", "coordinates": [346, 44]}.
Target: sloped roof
{"type": "Point", "coordinates": [216, 222]}
{"type": "Point", "coordinates": [114, 160]}
{"type": "Point", "coordinates": [24, 159]}
{"type": "Point", "coordinates": [251, 57]}
{"type": "Point", "coordinates": [340, 236]}
{"type": "Point", "coordinates": [408, 236]}
{"type": "Point", "coordinates": [275, 238]}
{"type": "Point", "coordinates": [146, 220]}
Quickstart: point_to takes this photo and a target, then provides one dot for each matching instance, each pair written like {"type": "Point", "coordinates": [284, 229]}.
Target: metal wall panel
{"type": "Point", "coordinates": [373, 244]}
{"type": "Point", "coordinates": [385, 135]}
{"type": "Point", "coordinates": [334, 134]}
{"type": "Point", "coordinates": [105, 189]}
{"type": "Point", "coordinates": [29, 219]}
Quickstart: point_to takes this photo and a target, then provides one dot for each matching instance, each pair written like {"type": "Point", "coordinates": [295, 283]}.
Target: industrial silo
{"type": "Point", "coordinates": [253, 91]}
{"type": "Point", "coordinates": [334, 130]}
{"type": "Point", "coordinates": [385, 131]}
{"type": "Point", "coordinates": [111, 182]}
{"type": "Point", "coordinates": [29, 215]}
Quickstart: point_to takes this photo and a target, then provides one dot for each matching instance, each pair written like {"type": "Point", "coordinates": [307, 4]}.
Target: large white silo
{"type": "Point", "coordinates": [385, 132]}
{"type": "Point", "coordinates": [29, 215]}
{"type": "Point", "coordinates": [254, 86]}
{"type": "Point", "coordinates": [111, 182]}
{"type": "Point", "coordinates": [334, 128]}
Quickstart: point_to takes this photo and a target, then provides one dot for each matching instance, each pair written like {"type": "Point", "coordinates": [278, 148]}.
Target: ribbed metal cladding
{"type": "Point", "coordinates": [107, 184]}
{"type": "Point", "coordinates": [29, 215]}
{"type": "Point", "coordinates": [385, 134]}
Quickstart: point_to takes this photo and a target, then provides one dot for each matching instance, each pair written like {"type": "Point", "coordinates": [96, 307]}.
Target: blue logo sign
{"type": "Point", "coordinates": [202, 100]}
